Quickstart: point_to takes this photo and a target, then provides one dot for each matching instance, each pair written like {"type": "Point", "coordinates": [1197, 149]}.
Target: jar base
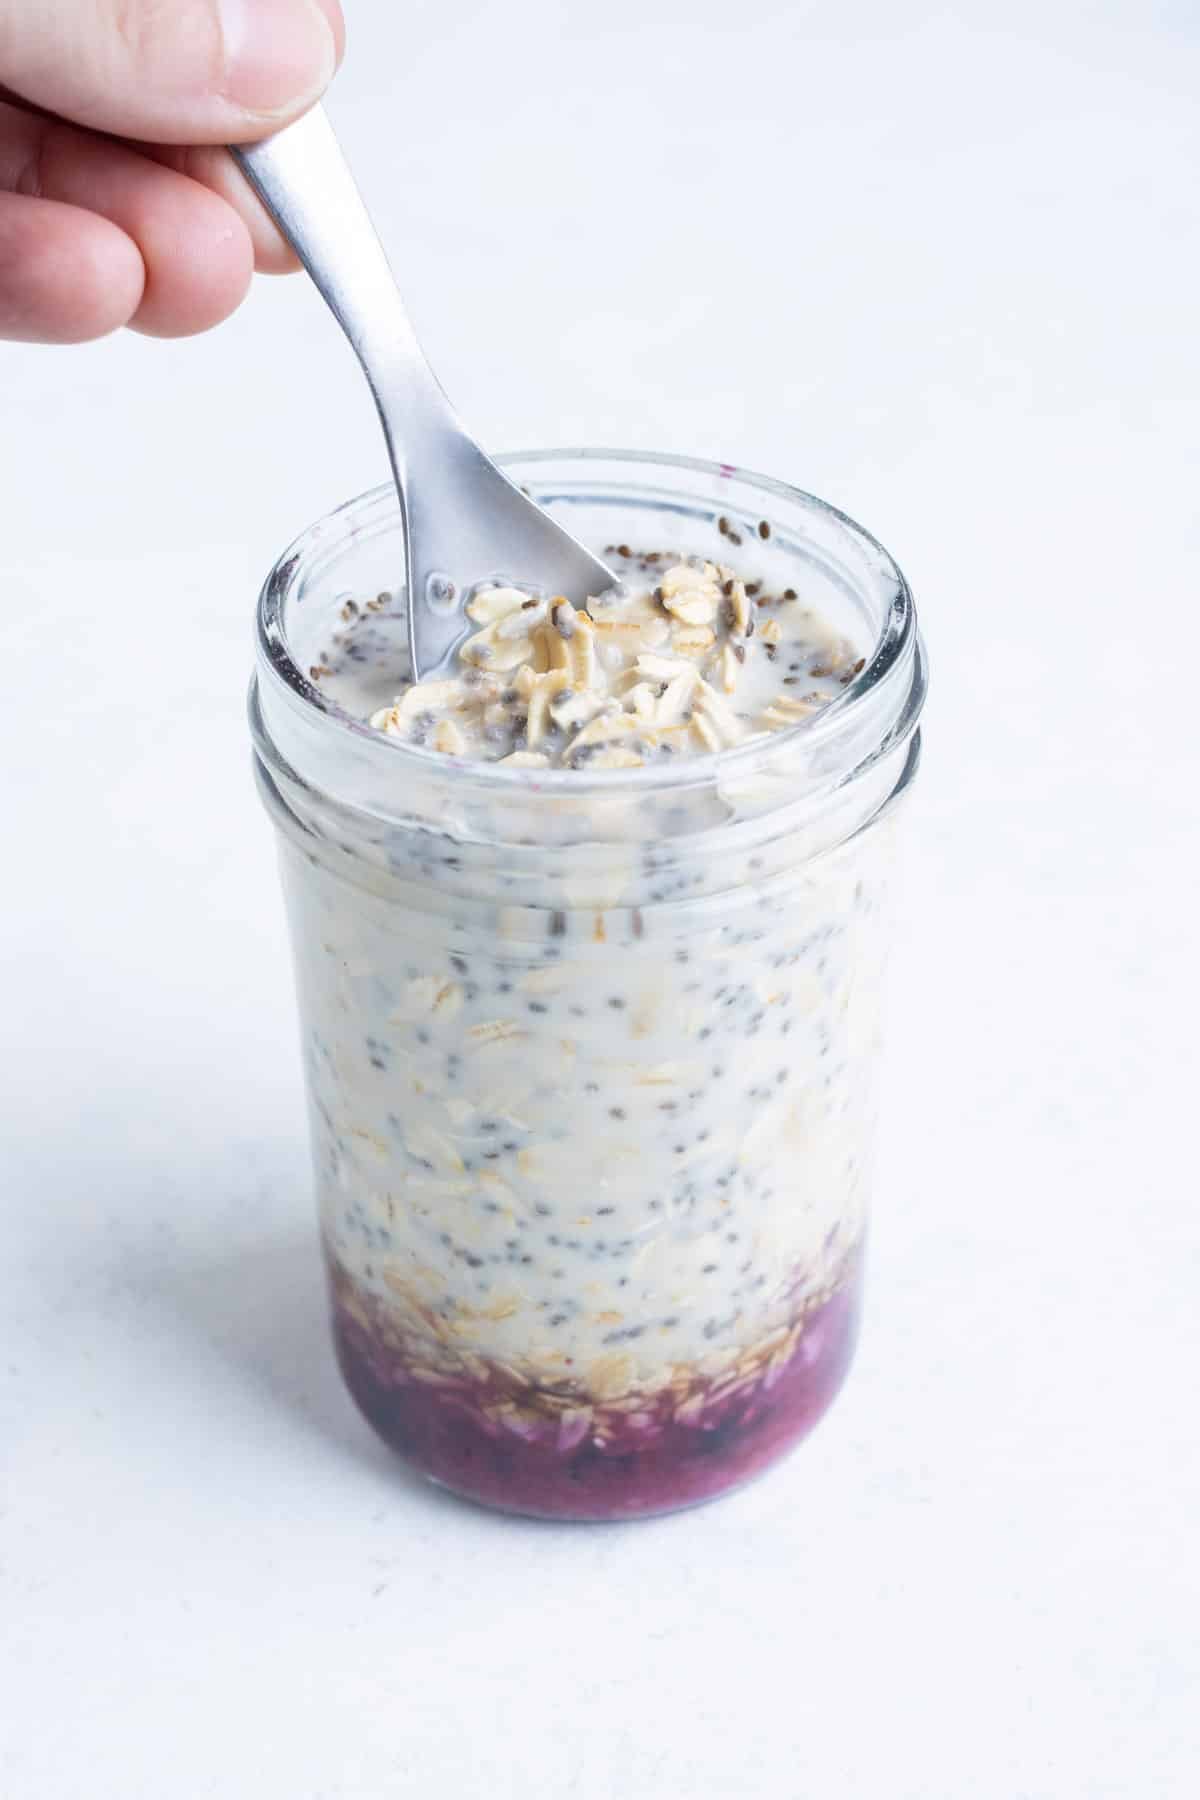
{"type": "Point", "coordinates": [452, 1441]}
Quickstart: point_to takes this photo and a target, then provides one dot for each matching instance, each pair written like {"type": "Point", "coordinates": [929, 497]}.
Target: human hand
{"type": "Point", "coordinates": [117, 204]}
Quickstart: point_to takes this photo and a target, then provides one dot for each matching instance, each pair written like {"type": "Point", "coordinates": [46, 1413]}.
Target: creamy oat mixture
{"type": "Point", "coordinates": [682, 657]}
{"type": "Point", "coordinates": [631, 1160]}
{"type": "Point", "coordinates": [619, 1147]}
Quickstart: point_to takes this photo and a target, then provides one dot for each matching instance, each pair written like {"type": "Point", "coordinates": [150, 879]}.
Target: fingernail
{"type": "Point", "coordinates": [279, 54]}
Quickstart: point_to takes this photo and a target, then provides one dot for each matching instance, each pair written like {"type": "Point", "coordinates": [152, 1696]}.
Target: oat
{"type": "Point", "coordinates": [447, 1002]}
{"type": "Point", "coordinates": [663, 668]}
{"type": "Point", "coordinates": [616, 756]}
{"type": "Point", "coordinates": [431, 1377]}
{"type": "Point", "coordinates": [495, 1031]}
{"type": "Point", "coordinates": [487, 650]}
{"type": "Point", "coordinates": [737, 607]}
{"type": "Point", "coordinates": [728, 667]}
{"type": "Point", "coordinates": [691, 595]}
{"type": "Point", "coordinates": [675, 701]}
{"type": "Point", "coordinates": [423, 1142]}
{"type": "Point", "coordinates": [689, 1411]}
{"type": "Point", "coordinates": [642, 701]}
{"type": "Point", "coordinates": [504, 1308]}
{"type": "Point", "coordinates": [553, 978]}
{"type": "Point", "coordinates": [669, 737]}
{"type": "Point", "coordinates": [495, 603]}
{"type": "Point", "coordinates": [419, 998]}
{"type": "Point", "coordinates": [713, 720]}
{"type": "Point", "coordinates": [606, 727]}
{"type": "Point", "coordinates": [570, 708]}
{"type": "Point", "coordinates": [739, 1384]}
{"type": "Point", "coordinates": [426, 697]}
{"type": "Point", "coordinates": [785, 711]}
{"type": "Point", "coordinates": [705, 733]}
{"type": "Point", "coordinates": [645, 1016]}
{"type": "Point", "coordinates": [632, 633]}
{"type": "Point", "coordinates": [498, 1190]}
{"type": "Point", "coordinates": [610, 1376]}
{"type": "Point", "coordinates": [522, 623]}
{"type": "Point", "coordinates": [448, 738]}
{"type": "Point", "coordinates": [642, 672]}
{"type": "Point", "coordinates": [695, 611]}
{"type": "Point", "coordinates": [542, 690]}
{"type": "Point", "coordinates": [575, 649]}
{"type": "Point", "coordinates": [540, 654]}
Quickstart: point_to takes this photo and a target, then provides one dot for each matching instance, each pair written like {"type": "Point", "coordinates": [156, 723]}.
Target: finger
{"type": "Point", "coordinates": [172, 71]}
{"type": "Point", "coordinates": [195, 250]}
{"type": "Point", "coordinates": [216, 170]}
{"type": "Point", "coordinates": [66, 276]}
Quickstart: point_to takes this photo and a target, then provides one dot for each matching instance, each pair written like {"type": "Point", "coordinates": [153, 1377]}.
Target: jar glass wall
{"type": "Point", "coordinates": [591, 1057]}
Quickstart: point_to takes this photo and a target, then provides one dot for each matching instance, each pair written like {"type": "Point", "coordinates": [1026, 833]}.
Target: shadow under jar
{"type": "Point", "coordinates": [590, 1057]}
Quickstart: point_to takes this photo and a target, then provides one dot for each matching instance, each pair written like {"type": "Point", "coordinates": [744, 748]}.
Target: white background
{"type": "Point", "coordinates": [938, 264]}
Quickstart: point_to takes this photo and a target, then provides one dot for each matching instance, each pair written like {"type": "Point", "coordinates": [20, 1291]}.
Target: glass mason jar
{"type": "Point", "coordinates": [591, 1057]}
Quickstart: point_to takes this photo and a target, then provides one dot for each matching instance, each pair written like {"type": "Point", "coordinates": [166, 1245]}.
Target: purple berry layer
{"type": "Point", "coordinates": [554, 1455]}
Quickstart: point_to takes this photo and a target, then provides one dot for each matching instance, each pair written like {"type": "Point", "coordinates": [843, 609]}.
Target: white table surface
{"type": "Point", "coordinates": [940, 265]}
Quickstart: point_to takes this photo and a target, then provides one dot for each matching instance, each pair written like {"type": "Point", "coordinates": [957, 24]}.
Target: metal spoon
{"type": "Point", "coordinates": [464, 521]}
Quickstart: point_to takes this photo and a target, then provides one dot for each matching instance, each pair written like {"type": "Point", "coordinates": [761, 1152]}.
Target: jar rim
{"type": "Point", "coordinates": [891, 681]}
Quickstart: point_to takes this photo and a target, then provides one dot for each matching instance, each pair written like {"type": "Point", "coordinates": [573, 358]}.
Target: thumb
{"type": "Point", "coordinates": [171, 71]}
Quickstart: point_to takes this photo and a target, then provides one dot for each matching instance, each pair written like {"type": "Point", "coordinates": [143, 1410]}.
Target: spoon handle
{"type": "Point", "coordinates": [306, 185]}
{"type": "Point", "coordinates": [463, 520]}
